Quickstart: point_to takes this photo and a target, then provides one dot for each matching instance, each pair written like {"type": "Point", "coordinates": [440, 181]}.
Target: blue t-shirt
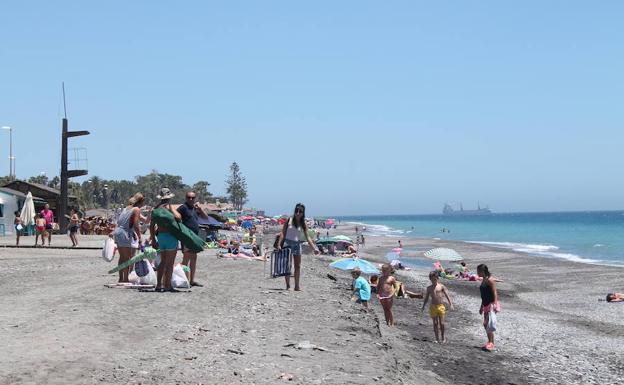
{"type": "Point", "coordinates": [363, 288]}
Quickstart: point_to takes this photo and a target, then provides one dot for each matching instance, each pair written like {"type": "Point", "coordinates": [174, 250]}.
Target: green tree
{"type": "Point", "coordinates": [201, 190]}
{"type": "Point", "coordinates": [55, 183]}
{"type": "Point", "coordinates": [5, 180]}
{"type": "Point", "coordinates": [236, 187]}
{"type": "Point", "coordinates": [41, 179]}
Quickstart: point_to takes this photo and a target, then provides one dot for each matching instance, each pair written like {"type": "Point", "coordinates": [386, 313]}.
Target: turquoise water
{"type": "Point", "coordinates": [593, 237]}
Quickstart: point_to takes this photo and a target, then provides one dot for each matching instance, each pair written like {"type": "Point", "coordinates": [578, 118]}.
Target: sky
{"type": "Point", "coordinates": [351, 107]}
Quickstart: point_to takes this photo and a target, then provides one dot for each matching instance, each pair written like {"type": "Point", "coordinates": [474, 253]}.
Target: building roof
{"type": "Point", "coordinates": [14, 185]}
{"type": "Point", "coordinates": [18, 193]}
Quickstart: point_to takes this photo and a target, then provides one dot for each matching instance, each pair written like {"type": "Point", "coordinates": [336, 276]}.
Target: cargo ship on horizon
{"type": "Point", "coordinates": [449, 210]}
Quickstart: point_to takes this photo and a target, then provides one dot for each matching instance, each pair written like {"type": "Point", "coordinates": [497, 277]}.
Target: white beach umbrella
{"type": "Point", "coordinates": [442, 254]}
{"type": "Point", "coordinates": [28, 211]}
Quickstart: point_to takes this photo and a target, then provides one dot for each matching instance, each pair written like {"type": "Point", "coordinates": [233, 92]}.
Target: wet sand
{"type": "Point", "coordinates": [60, 325]}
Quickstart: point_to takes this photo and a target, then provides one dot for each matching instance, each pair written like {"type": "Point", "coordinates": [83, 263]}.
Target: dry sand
{"type": "Point", "coordinates": [60, 325]}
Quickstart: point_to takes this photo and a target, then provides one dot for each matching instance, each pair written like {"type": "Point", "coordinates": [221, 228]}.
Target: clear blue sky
{"type": "Point", "coordinates": [352, 107]}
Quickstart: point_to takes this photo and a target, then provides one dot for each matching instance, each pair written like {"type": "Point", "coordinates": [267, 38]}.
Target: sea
{"type": "Point", "coordinates": [592, 237]}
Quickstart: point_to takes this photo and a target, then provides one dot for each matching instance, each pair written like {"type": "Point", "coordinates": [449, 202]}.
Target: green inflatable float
{"type": "Point", "coordinates": [164, 217]}
{"type": "Point", "coordinates": [149, 253]}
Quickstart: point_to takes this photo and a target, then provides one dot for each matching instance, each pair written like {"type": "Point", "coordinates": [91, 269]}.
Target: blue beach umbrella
{"type": "Point", "coordinates": [352, 263]}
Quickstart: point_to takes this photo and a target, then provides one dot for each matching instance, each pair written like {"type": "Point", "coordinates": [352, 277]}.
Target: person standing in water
{"type": "Point", "coordinates": [293, 234]}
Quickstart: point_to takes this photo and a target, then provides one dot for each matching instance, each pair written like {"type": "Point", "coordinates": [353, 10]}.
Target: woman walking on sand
{"type": "Point", "coordinates": [162, 239]}
{"type": "Point", "coordinates": [489, 304]}
{"type": "Point", "coordinates": [293, 234]}
{"type": "Point", "coordinates": [74, 220]}
{"type": "Point", "coordinates": [17, 224]}
{"type": "Point", "coordinates": [127, 234]}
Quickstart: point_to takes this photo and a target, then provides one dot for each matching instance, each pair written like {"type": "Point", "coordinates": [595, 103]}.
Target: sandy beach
{"type": "Point", "coordinates": [62, 326]}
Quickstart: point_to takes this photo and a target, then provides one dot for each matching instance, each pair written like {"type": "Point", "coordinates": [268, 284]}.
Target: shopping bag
{"type": "Point", "coordinates": [281, 263]}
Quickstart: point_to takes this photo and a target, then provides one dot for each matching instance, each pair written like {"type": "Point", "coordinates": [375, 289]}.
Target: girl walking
{"type": "Point", "coordinates": [293, 234]}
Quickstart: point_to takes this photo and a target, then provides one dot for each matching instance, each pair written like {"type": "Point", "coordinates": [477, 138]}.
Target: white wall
{"type": "Point", "coordinates": [10, 202]}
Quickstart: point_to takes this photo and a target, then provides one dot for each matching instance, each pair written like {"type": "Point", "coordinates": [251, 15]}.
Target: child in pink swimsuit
{"type": "Point", "coordinates": [385, 292]}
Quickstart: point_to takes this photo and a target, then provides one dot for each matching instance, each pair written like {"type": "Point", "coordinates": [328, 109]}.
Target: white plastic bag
{"type": "Point", "coordinates": [491, 325]}
{"type": "Point", "coordinates": [108, 251]}
{"type": "Point", "coordinates": [150, 278]}
{"type": "Point", "coordinates": [133, 277]}
{"type": "Point", "coordinates": [178, 278]}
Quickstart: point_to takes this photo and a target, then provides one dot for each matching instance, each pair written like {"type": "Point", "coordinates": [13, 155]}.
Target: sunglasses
{"type": "Point", "coordinates": [190, 197]}
{"type": "Point", "coordinates": [299, 211]}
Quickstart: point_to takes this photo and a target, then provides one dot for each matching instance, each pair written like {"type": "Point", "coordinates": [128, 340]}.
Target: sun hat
{"type": "Point", "coordinates": [165, 193]}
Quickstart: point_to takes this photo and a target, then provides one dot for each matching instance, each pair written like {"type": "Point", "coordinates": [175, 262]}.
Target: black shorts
{"type": "Point", "coordinates": [73, 229]}
{"type": "Point", "coordinates": [49, 226]}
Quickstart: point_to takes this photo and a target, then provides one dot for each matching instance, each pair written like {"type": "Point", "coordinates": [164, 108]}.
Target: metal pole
{"type": "Point", "coordinates": [12, 169]}
{"type": "Point", "coordinates": [62, 209]}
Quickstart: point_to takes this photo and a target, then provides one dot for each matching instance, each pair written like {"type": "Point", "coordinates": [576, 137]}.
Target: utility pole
{"type": "Point", "coordinates": [65, 173]}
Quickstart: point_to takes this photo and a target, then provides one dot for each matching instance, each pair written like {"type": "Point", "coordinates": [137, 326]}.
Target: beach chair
{"type": "Point", "coordinates": [281, 263]}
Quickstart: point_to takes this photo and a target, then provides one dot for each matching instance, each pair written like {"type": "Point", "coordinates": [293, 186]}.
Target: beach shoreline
{"type": "Point", "coordinates": [64, 326]}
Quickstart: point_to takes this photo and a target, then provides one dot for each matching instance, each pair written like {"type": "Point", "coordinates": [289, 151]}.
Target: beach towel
{"type": "Point", "coordinates": [491, 326]}
{"type": "Point", "coordinates": [189, 239]}
{"type": "Point", "coordinates": [281, 263]}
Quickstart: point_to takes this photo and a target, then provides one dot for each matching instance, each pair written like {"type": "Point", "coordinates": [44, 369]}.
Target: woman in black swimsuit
{"type": "Point", "coordinates": [489, 302]}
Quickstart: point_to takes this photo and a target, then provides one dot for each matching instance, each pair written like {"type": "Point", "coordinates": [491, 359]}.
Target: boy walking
{"type": "Point", "coordinates": [361, 287]}
{"type": "Point", "coordinates": [437, 309]}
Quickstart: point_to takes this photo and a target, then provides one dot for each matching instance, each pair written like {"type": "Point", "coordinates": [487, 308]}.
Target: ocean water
{"type": "Point", "coordinates": [592, 237]}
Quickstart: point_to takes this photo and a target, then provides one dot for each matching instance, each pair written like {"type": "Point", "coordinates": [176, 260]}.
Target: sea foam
{"type": "Point", "coordinates": [537, 249]}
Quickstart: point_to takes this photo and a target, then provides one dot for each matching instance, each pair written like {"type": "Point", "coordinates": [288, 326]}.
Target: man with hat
{"type": "Point", "coordinates": [190, 211]}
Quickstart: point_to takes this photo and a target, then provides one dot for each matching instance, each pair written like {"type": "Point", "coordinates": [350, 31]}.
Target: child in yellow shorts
{"type": "Point", "coordinates": [437, 309]}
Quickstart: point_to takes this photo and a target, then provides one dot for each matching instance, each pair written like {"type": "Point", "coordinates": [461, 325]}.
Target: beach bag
{"type": "Point", "coordinates": [133, 277]}
{"type": "Point", "coordinates": [281, 263]}
{"type": "Point", "coordinates": [491, 325]}
{"type": "Point", "coordinates": [108, 251]}
{"type": "Point", "coordinates": [178, 278]}
{"type": "Point", "coordinates": [141, 268]}
{"type": "Point", "coordinates": [150, 277]}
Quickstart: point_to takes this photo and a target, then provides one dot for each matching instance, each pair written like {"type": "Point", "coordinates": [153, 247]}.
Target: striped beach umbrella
{"type": "Point", "coordinates": [442, 254]}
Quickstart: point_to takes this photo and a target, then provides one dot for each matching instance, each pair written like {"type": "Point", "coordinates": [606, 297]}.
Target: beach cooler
{"type": "Point", "coordinates": [281, 263]}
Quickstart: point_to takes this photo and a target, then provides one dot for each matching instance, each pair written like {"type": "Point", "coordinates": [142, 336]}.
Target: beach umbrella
{"type": "Point", "coordinates": [352, 263]}
{"type": "Point", "coordinates": [442, 254]}
{"type": "Point", "coordinates": [28, 211]}
{"type": "Point", "coordinates": [343, 238]}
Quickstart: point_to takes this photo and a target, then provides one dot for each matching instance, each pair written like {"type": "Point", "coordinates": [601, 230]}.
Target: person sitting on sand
{"type": "Point", "coordinates": [615, 297]}
{"type": "Point", "coordinates": [437, 309]}
{"type": "Point", "coordinates": [385, 292]}
{"type": "Point", "coordinates": [361, 288]}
